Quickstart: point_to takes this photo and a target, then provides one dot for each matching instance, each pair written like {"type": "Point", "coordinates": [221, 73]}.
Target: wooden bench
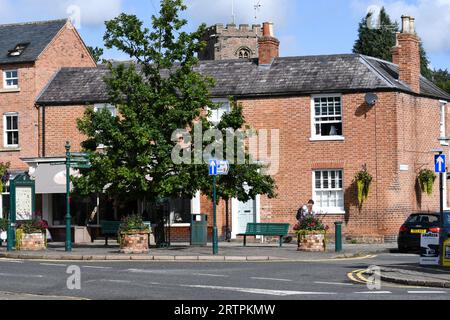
{"type": "Point", "coordinates": [266, 229]}
{"type": "Point", "coordinates": [109, 229]}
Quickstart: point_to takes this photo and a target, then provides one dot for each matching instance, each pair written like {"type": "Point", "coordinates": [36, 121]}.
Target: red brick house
{"type": "Point", "coordinates": [30, 55]}
{"type": "Point", "coordinates": [327, 132]}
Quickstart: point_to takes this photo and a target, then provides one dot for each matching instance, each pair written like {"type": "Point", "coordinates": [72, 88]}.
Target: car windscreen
{"type": "Point", "coordinates": [423, 218]}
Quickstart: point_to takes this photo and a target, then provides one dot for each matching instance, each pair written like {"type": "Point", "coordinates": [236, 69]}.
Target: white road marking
{"type": "Point", "coordinates": [21, 275]}
{"type": "Point", "coordinates": [282, 293]}
{"type": "Point", "coordinates": [12, 261]}
{"type": "Point", "coordinates": [374, 292]}
{"type": "Point", "coordinates": [271, 279]}
{"type": "Point", "coordinates": [94, 267]}
{"type": "Point", "coordinates": [53, 265]}
{"type": "Point", "coordinates": [334, 283]}
{"type": "Point", "coordinates": [210, 275]}
{"type": "Point", "coordinates": [427, 292]}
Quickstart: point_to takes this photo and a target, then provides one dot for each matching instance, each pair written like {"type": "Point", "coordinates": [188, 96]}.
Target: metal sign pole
{"type": "Point", "coordinates": [68, 215]}
{"type": "Point", "coordinates": [215, 231]}
{"type": "Point", "coordinates": [12, 216]}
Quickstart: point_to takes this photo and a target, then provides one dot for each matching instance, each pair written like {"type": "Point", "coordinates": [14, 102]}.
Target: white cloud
{"type": "Point", "coordinates": [92, 12]}
{"type": "Point", "coordinates": [432, 19]}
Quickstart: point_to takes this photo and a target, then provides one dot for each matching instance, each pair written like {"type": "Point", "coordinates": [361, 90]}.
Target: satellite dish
{"type": "Point", "coordinates": [371, 99]}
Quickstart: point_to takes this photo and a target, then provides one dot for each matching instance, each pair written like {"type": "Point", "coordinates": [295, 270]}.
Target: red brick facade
{"type": "Point", "coordinates": [65, 50]}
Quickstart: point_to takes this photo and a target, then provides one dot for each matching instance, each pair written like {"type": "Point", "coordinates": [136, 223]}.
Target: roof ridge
{"type": "Point", "coordinates": [34, 22]}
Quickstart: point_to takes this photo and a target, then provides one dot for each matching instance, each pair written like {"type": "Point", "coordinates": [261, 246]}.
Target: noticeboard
{"type": "Point", "coordinates": [429, 249]}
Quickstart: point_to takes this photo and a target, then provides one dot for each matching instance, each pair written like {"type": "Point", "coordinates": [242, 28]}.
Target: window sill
{"type": "Point", "coordinates": [9, 90]}
{"type": "Point", "coordinates": [327, 139]}
{"type": "Point", "coordinates": [180, 225]}
{"type": "Point", "coordinates": [11, 149]}
{"type": "Point", "coordinates": [331, 212]}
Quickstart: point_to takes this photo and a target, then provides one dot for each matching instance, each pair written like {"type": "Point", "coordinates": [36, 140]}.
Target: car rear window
{"type": "Point", "coordinates": [447, 219]}
{"type": "Point", "coordinates": [423, 218]}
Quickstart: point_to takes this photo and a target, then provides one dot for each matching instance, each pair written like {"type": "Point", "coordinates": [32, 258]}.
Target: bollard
{"type": "Point", "coordinates": [338, 235]}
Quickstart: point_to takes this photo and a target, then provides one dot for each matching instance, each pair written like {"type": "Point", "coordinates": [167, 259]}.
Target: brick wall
{"type": "Point", "coordinates": [61, 126]}
{"type": "Point", "coordinates": [66, 50]}
{"type": "Point", "coordinates": [399, 130]}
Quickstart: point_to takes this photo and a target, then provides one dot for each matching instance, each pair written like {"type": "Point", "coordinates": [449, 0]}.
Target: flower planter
{"type": "Point", "coordinates": [31, 242]}
{"type": "Point", "coordinates": [311, 241]}
{"type": "Point", "coordinates": [134, 242]}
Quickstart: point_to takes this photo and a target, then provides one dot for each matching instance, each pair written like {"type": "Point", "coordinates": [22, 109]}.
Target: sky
{"type": "Point", "coordinates": [304, 27]}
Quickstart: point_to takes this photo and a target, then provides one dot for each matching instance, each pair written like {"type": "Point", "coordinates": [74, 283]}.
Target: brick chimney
{"type": "Point", "coordinates": [268, 45]}
{"type": "Point", "coordinates": [406, 54]}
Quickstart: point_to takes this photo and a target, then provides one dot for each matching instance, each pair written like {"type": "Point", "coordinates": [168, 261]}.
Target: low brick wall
{"type": "Point", "coordinates": [32, 242]}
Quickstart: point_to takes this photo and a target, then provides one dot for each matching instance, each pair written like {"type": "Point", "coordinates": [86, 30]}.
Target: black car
{"type": "Point", "coordinates": [417, 224]}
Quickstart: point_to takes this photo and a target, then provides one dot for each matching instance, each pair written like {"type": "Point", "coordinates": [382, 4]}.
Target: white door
{"type": "Point", "coordinates": [246, 213]}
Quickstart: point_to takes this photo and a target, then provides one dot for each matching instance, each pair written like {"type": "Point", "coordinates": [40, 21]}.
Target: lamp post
{"type": "Point", "coordinates": [441, 198]}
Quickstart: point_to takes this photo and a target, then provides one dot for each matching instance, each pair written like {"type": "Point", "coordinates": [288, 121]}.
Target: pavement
{"type": "Point", "coordinates": [233, 251]}
{"type": "Point", "coordinates": [415, 275]}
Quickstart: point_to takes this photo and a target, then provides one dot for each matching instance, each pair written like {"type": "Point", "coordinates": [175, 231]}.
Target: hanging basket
{"type": "Point", "coordinates": [363, 182]}
{"type": "Point", "coordinates": [426, 181]}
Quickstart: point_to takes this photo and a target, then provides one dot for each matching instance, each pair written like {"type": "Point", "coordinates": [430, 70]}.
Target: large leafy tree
{"type": "Point", "coordinates": [442, 79]}
{"type": "Point", "coordinates": [378, 40]}
{"type": "Point", "coordinates": [96, 53]}
{"type": "Point", "coordinates": [155, 96]}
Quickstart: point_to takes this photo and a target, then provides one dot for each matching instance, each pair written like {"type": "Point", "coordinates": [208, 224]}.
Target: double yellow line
{"type": "Point", "coordinates": [358, 276]}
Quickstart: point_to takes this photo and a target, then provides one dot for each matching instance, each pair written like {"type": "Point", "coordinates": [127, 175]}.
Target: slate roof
{"type": "Point", "coordinates": [244, 78]}
{"type": "Point", "coordinates": [37, 34]}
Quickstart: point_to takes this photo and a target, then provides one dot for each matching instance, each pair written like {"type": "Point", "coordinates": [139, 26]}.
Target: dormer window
{"type": "Point", "coordinates": [18, 50]}
{"type": "Point", "coordinates": [10, 79]}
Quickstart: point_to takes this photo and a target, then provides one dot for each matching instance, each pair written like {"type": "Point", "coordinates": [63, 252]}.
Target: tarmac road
{"type": "Point", "coordinates": [324, 280]}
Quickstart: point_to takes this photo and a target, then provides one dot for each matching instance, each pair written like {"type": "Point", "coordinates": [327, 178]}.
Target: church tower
{"type": "Point", "coordinates": [231, 42]}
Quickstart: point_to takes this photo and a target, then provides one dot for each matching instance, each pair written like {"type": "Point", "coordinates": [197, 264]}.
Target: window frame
{"type": "Point", "coordinates": [6, 131]}
{"type": "Point", "coordinates": [106, 106]}
{"type": "Point", "coordinates": [211, 117]}
{"type": "Point", "coordinates": [5, 79]}
{"type": "Point", "coordinates": [314, 136]}
{"type": "Point", "coordinates": [328, 210]}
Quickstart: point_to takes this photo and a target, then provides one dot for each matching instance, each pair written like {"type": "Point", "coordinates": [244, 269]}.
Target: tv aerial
{"type": "Point", "coordinates": [257, 7]}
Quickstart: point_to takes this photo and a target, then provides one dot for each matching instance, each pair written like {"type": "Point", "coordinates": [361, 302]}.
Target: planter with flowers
{"type": "Point", "coordinates": [133, 235]}
{"type": "Point", "coordinates": [311, 233]}
{"type": "Point", "coordinates": [31, 235]}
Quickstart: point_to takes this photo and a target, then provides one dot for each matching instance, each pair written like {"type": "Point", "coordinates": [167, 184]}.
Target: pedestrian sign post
{"type": "Point", "coordinates": [217, 168]}
{"type": "Point", "coordinates": [76, 161]}
{"type": "Point", "coordinates": [439, 163]}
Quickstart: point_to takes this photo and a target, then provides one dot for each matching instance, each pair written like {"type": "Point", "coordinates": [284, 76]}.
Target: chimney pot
{"type": "Point", "coordinates": [268, 45]}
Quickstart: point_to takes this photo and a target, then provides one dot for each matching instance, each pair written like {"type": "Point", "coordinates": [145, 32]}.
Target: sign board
{"type": "Point", "coordinates": [439, 163]}
{"type": "Point", "coordinates": [429, 249]}
{"type": "Point", "coordinates": [219, 167]}
{"type": "Point", "coordinates": [24, 203]}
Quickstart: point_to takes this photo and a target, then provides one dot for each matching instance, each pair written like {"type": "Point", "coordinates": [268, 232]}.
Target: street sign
{"type": "Point", "coordinates": [429, 249]}
{"type": "Point", "coordinates": [439, 163]}
{"type": "Point", "coordinates": [219, 167]}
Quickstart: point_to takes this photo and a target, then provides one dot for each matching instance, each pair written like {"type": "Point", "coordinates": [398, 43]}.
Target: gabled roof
{"type": "Point", "coordinates": [244, 78]}
{"type": "Point", "coordinates": [36, 36]}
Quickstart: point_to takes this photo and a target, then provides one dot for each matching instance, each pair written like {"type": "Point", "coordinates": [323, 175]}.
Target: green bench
{"type": "Point", "coordinates": [109, 229]}
{"type": "Point", "coordinates": [266, 229]}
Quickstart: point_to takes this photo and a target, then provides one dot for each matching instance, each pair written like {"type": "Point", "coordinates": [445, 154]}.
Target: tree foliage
{"type": "Point", "coordinates": [378, 41]}
{"type": "Point", "coordinates": [96, 53]}
{"type": "Point", "coordinates": [156, 95]}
